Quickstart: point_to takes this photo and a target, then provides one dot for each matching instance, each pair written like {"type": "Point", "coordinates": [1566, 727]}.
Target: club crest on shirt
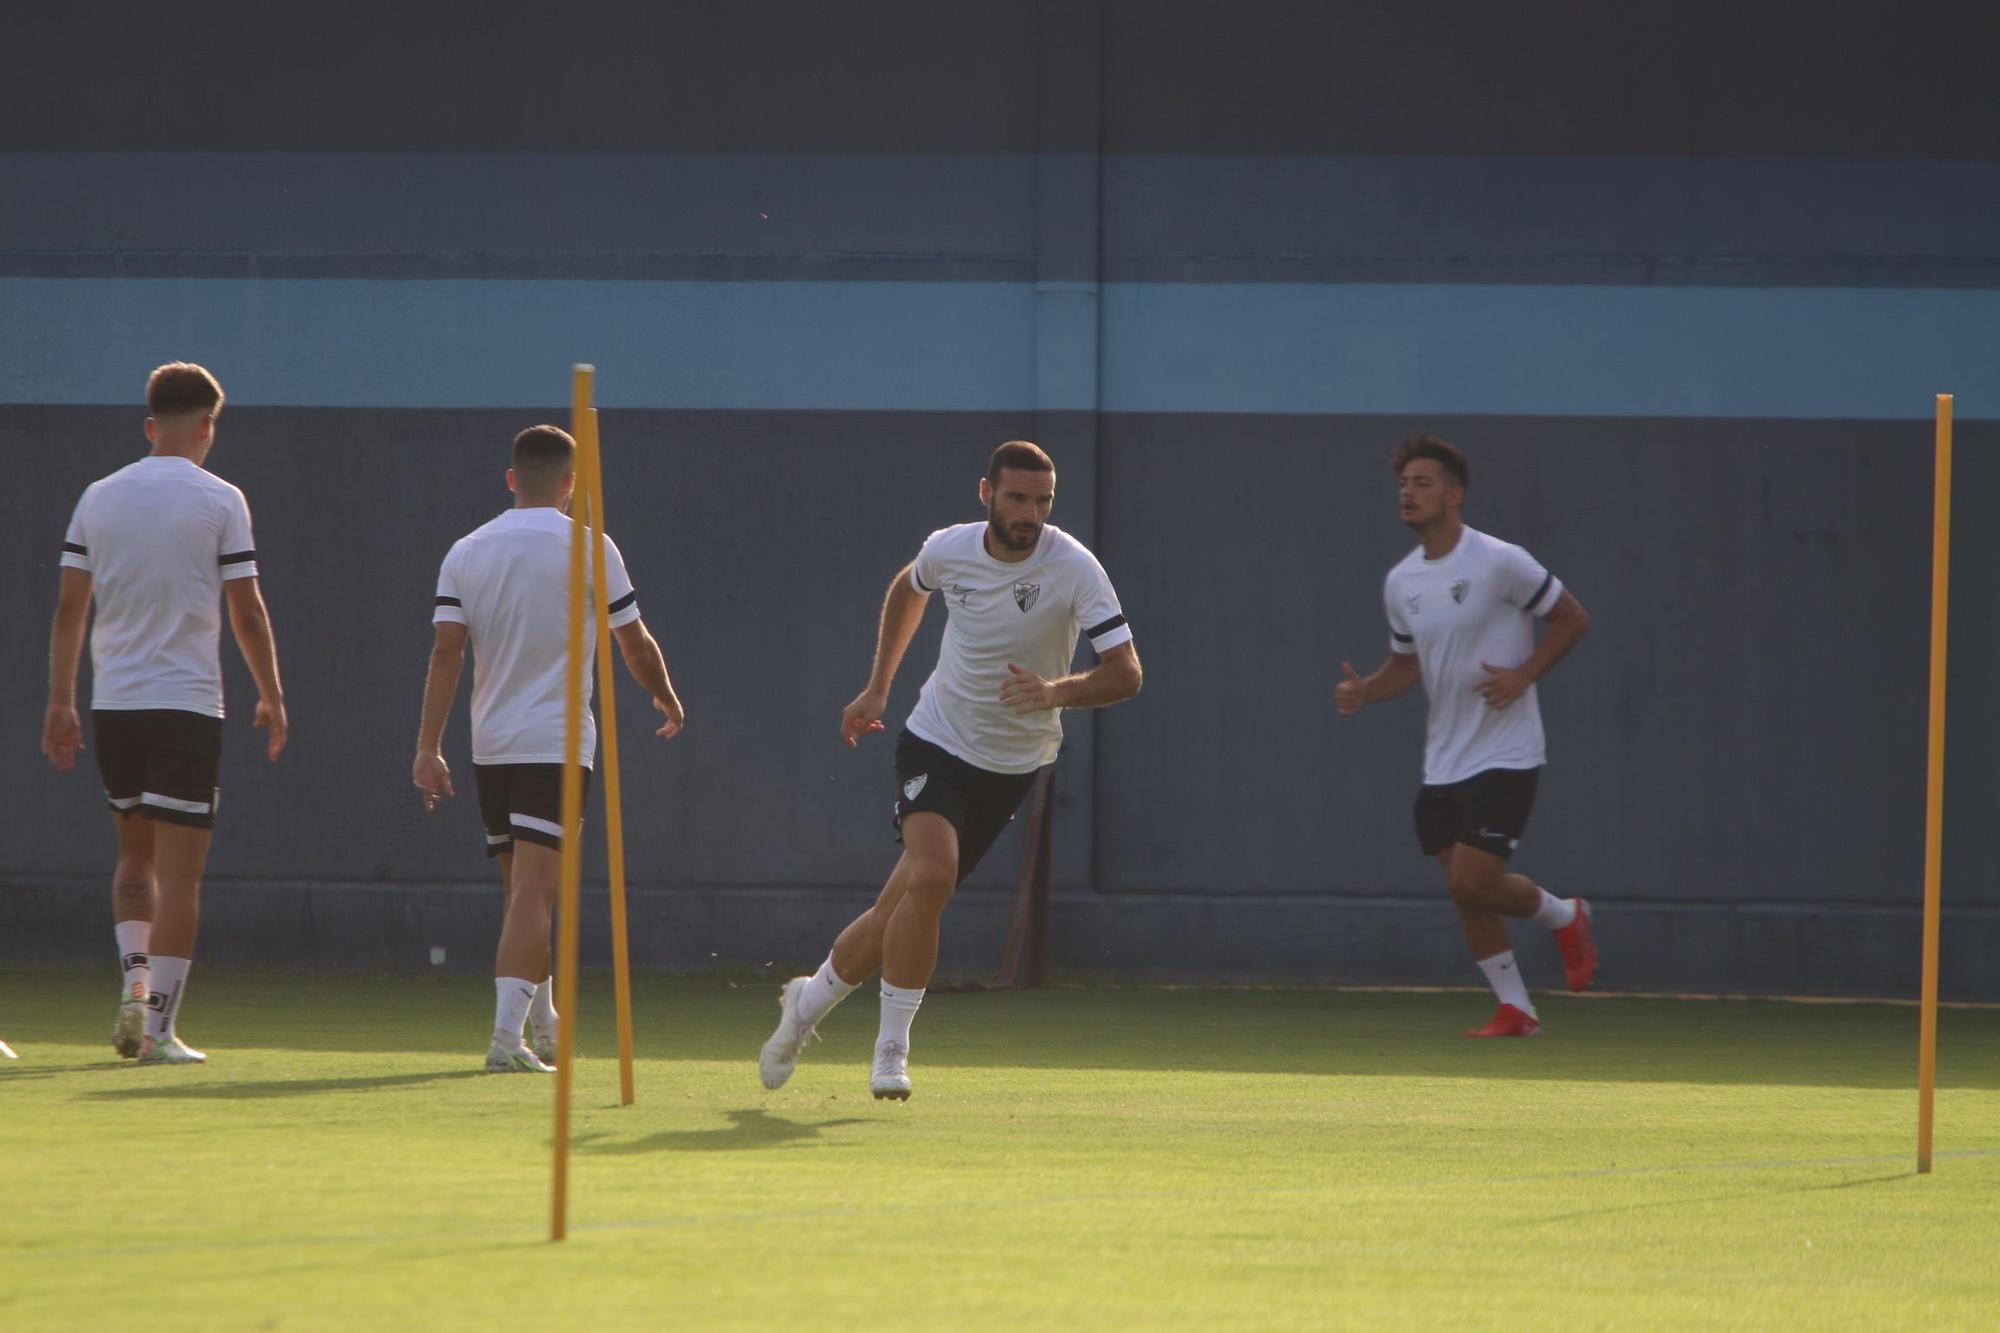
{"type": "Point", "coordinates": [915, 786]}
{"type": "Point", "coordinates": [1025, 595]}
{"type": "Point", "coordinates": [1459, 589]}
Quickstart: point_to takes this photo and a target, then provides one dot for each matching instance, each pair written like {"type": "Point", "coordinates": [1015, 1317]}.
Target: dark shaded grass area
{"type": "Point", "coordinates": [1285, 1031]}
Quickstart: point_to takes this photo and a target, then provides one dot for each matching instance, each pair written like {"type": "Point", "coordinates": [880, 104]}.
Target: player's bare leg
{"type": "Point", "coordinates": [180, 856]}
{"type": "Point", "coordinates": [910, 944]}
{"type": "Point", "coordinates": [541, 1030]}
{"type": "Point", "coordinates": [1487, 894]}
{"type": "Point", "coordinates": [531, 874]}
{"type": "Point", "coordinates": [132, 893]}
{"type": "Point", "coordinates": [930, 853]}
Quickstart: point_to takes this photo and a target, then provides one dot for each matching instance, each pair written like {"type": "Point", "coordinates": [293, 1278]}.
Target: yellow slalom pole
{"type": "Point", "coordinates": [572, 823]}
{"type": "Point", "coordinates": [1934, 787]}
{"type": "Point", "coordinates": [591, 474]}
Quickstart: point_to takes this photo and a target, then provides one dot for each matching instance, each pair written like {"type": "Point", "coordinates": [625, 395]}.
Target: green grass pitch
{"type": "Point", "coordinates": [1073, 1158]}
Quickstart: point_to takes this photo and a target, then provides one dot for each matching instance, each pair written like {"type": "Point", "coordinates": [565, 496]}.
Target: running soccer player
{"type": "Point", "coordinates": [159, 544]}
{"type": "Point", "coordinates": [1018, 591]}
{"type": "Point", "coordinates": [1461, 609]}
{"type": "Point", "coordinates": [505, 587]}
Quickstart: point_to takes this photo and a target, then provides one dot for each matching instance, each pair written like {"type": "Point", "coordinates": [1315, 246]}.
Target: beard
{"type": "Point", "coordinates": [1008, 538]}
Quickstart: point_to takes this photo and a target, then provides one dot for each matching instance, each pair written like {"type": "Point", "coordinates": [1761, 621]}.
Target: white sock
{"type": "Point", "coordinates": [1504, 976]}
{"type": "Point", "coordinates": [169, 985]}
{"type": "Point", "coordinates": [1555, 913]}
{"type": "Point", "coordinates": [823, 990]}
{"type": "Point", "coordinates": [899, 1006]}
{"type": "Point", "coordinates": [511, 998]}
{"type": "Point", "coordinates": [135, 939]}
{"type": "Point", "coordinates": [542, 1009]}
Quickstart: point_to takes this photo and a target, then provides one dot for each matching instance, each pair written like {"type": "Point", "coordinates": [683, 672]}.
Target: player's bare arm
{"type": "Point", "coordinates": [1116, 678]}
{"type": "Point", "coordinates": [62, 729]}
{"type": "Point", "coordinates": [1568, 622]}
{"type": "Point", "coordinates": [648, 666]}
{"type": "Point", "coordinates": [1394, 678]}
{"type": "Point", "coordinates": [429, 771]}
{"type": "Point", "coordinates": [250, 622]}
{"type": "Point", "coordinates": [902, 611]}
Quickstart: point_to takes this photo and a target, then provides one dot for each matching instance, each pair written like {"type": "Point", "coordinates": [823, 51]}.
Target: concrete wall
{"type": "Point", "coordinates": [1686, 313]}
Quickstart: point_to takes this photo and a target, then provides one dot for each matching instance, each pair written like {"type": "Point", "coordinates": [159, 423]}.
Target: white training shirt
{"type": "Point", "coordinates": [158, 537]}
{"type": "Point", "coordinates": [1472, 606]}
{"type": "Point", "coordinates": [508, 584]}
{"type": "Point", "coordinates": [1030, 614]}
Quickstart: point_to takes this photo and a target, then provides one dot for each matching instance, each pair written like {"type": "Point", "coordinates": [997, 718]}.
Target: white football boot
{"type": "Point", "coordinates": [781, 1053]}
{"type": "Point", "coordinates": [504, 1057]}
{"type": "Point", "coordinates": [891, 1076]}
{"type": "Point", "coordinates": [7, 1052]}
{"type": "Point", "coordinates": [170, 1051]}
{"type": "Point", "coordinates": [130, 1034]}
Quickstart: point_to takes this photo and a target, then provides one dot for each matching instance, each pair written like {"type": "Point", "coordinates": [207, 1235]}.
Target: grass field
{"type": "Point", "coordinates": [1097, 1158]}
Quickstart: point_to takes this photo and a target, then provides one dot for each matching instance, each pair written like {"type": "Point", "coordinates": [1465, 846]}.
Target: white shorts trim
{"type": "Point", "coordinates": [554, 830]}
{"type": "Point", "coordinates": [174, 803]}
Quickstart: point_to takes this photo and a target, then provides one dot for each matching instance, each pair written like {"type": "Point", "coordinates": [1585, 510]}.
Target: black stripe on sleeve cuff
{"type": "Point", "coordinates": [236, 557]}
{"type": "Point", "coordinates": [623, 602]}
{"type": "Point", "coordinates": [1541, 592]}
{"type": "Point", "coordinates": [1104, 628]}
{"type": "Point", "coordinates": [76, 548]}
{"type": "Point", "coordinates": [449, 601]}
{"type": "Point", "coordinates": [1402, 638]}
{"type": "Point", "coordinates": [918, 579]}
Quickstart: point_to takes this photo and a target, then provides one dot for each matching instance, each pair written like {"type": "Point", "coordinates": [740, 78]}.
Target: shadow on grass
{"type": "Point", "coordinates": [297, 1087]}
{"type": "Point", "coordinates": [1107, 1029]}
{"type": "Point", "coordinates": [1770, 1191]}
{"type": "Point", "coordinates": [26, 1070]}
{"type": "Point", "coordinates": [747, 1129]}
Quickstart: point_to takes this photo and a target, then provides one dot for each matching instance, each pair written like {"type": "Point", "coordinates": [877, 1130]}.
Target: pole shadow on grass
{"type": "Point", "coordinates": [748, 1128]}
{"type": "Point", "coordinates": [299, 1087]}
{"type": "Point", "coordinates": [1732, 1196]}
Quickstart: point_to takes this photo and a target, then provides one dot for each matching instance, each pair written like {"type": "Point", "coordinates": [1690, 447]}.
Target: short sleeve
{"type": "Point", "coordinates": [1097, 611]}
{"type": "Point", "coordinates": [624, 604]}
{"type": "Point", "coordinates": [1400, 638]}
{"type": "Point", "coordinates": [927, 570]}
{"type": "Point", "coordinates": [76, 542]}
{"type": "Point", "coordinates": [236, 552]}
{"type": "Point", "coordinates": [450, 608]}
{"type": "Point", "coordinates": [1526, 584]}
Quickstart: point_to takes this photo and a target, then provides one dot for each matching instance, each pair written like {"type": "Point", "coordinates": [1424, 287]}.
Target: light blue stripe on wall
{"type": "Point", "coordinates": [374, 343]}
{"type": "Point", "coordinates": [1550, 351]}
{"type": "Point", "coordinates": [1168, 347]}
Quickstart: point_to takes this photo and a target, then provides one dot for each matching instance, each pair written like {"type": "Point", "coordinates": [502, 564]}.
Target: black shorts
{"type": "Point", "coordinates": [1488, 810]}
{"type": "Point", "coordinates": [521, 801]}
{"type": "Point", "coordinates": [977, 802]}
{"type": "Point", "coordinates": [159, 762]}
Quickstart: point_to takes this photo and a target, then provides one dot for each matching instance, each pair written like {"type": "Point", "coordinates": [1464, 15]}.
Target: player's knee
{"type": "Point", "coordinates": [1469, 890]}
{"type": "Point", "coordinates": [932, 880]}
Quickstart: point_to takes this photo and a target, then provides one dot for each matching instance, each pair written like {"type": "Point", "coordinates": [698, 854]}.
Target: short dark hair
{"type": "Point", "coordinates": [181, 387]}
{"type": "Point", "coordinates": [1020, 455]}
{"type": "Point", "coordinates": [1440, 451]}
{"type": "Point", "coordinates": [543, 456]}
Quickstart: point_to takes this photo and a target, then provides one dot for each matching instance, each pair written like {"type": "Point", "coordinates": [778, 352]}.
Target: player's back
{"type": "Point", "coordinates": [509, 582]}
{"type": "Point", "coordinates": [158, 538]}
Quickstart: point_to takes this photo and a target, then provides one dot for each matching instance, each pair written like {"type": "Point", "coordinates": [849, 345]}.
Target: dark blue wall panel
{"type": "Point", "coordinates": [1682, 277]}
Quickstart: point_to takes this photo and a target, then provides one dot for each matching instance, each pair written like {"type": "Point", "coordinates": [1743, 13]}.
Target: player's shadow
{"type": "Point", "coordinates": [268, 1088]}
{"type": "Point", "coordinates": [747, 1129]}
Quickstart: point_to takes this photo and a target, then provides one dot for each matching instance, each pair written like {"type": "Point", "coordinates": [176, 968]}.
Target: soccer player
{"type": "Point", "coordinates": [505, 587]}
{"type": "Point", "coordinates": [1018, 591]}
{"type": "Point", "coordinates": [159, 544]}
{"type": "Point", "coordinates": [1460, 619]}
